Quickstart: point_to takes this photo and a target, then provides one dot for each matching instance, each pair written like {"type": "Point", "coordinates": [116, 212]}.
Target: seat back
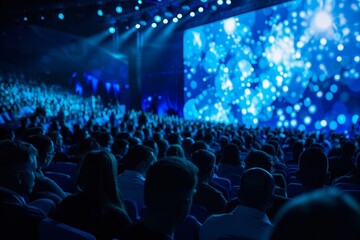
{"type": "Point", "coordinates": [199, 212]}
{"type": "Point", "coordinates": [132, 209]}
{"type": "Point", "coordinates": [54, 230]}
{"type": "Point", "coordinates": [66, 183]}
{"type": "Point", "coordinates": [294, 189]}
{"type": "Point", "coordinates": [69, 168]}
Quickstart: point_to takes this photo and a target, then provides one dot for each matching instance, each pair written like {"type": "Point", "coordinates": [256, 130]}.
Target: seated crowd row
{"type": "Point", "coordinates": [204, 184]}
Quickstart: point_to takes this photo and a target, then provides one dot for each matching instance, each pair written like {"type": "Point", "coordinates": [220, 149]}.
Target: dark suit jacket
{"type": "Point", "coordinates": [17, 219]}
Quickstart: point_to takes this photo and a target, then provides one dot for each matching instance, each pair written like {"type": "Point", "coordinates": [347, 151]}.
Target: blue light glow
{"type": "Point", "coordinates": [301, 57]}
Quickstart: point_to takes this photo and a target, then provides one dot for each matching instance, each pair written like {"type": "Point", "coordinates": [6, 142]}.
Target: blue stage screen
{"type": "Point", "coordinates": [291, 65]}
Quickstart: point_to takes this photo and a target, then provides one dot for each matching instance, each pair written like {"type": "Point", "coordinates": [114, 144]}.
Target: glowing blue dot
{"type": "Point", "coordinates": [266, 84]}
{"type": "Point", "coordinates": [341, 119]}
{"type": "Point", "coordinates": [112, 30]}
{"type": "Point", "coordinates": [337, 77]}
{"type": "Point", "coordinates": [288, 109]}
{"type": "Point", "coordinates": [220, 2]}
{"type": "Point", "coordinates": [323, 123]}
{"type": "Point", "coordinates": [175, 20]}
{"type": "Point", "coordinates": [279, 112]}
{"type": "Point", "coordinates": [286, 124]}
{"type": "Point", "coordinates": [307, 120]}
{"type": "Point", "coordinates": [319, 94]}
{"type": "Point", "coordinates": [137, 26]}
{"type": "Point", "coordinates": [25, 19]}
{"type": "Point", "coordinates": [279, 124]}
{"type": "Point", "coordinates": [201, 9]}
{"type": "Point", "coordinates": [357, 59]}
{"type": "Point", "coordinates": [154, 25]}
{"type": "Point", "coordinates": [358, 38]}
{"type": "Point", "coordinates": [333, 125]}
{"type": "Point", "coordinates": [339, 58]}
{"type": "Point", "coordinates": [192, 14]}
{"type": "Point", "coordinates": [312, 109]}
{"type": "Point", "coordinates": [165, 21]}
{"type": "Point", "coordinates": [329, 96]}
{"type": "Point", "coordinates": [137, 8]}
{"type": "Point", "coordinates": [307, 102]}
{"type": "Point", "coordinates": [293, 123]}
{"type": "Point", "coordinates": [179, 15]}
{"type": "Point", "coordinates": [355, 119]}
{"type": "Point", "coordinates": [157, 18]}
{"type": "Point", "coordinates": [100, 12]}
{"type": "Point", "coordinates": [334, 88]}
{"type": "Point", "coordinates": [340, 47]}
{"type": "Point", "coordinates": [188, 94]}
{"type": "Point", "coordinates": [61, 16]}
{"type": "Point", "coordinates": [297, 107]}
{"type": "Point", "coordinates": [255, 121]}
{"type": "Point", "coordinates": [119, 9]}
{"type": "Point", "coordinates": [282, 118]}
{"type": "Point", "coordinates": [301, 127]}
{"type": "Point", "coordinates": [193, 84]}
{"type": "Point", "coordinates": [323, 41]}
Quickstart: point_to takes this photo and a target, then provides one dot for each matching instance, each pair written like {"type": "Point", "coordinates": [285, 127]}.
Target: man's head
{"type": "Point", "coordinates": [17, 166]}
{"type": "Point", "coordinates": [313, 170]}
{"type": "Point", "coordinates": [256, 189]}
{"type": "Point", "coordinates": [169, 187]}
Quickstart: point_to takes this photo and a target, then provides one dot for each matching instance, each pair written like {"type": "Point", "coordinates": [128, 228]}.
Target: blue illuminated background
{"type": "Point", "coordinates": [294, 65]}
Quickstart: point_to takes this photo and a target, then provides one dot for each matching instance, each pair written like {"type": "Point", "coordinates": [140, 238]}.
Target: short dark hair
{"type": "Point", "coordinates": [169, 179]}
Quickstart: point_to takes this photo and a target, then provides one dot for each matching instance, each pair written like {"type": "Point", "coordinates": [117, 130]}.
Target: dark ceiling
{"type": "Point", "coordinates": [81, 15]}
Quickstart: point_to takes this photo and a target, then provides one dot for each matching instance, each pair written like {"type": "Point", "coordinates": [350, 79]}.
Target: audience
{"type": "Point", "coordinates": [98, 208]}
{"type": "Point", "coordinates": [169, 188]}
{"type": "Point", "coordinates": [249, 219]}
{"type": "Point", "coordinates": [78, 126]}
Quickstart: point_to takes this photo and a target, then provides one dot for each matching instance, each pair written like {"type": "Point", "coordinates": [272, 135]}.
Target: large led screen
{"type": "Point", "coordinates": [292, 65]}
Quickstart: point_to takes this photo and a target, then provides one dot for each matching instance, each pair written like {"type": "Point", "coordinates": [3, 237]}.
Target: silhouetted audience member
{"type": "Point", "coordinates": [131, 182]}
{"type": "Point", "coordinates": [60, 155]}
{"type": "Point", "coordinates": [175, 150]}
{"type": "Point", "coordinates": [231, 162]}
{"type": "Point", "coordinates": [169, 188]}
{"type": "Point", "coordinates": [343, 164]}
{"type": "Point", "coordinates": [98, 207]}
{"type": "Point", "coordinates": [44, 186]}
{"type": "Point", "coordinates": [206, 195]}
{"type": "Point", "coordinates": [249, 219]}
{"type": "Point", "coordinates": [320, 214]}
{"type": "Point", "coordinates": [313, 172]}
{"type": "Point", "coordinates": [297, 149]}
{"type": "Point", "coordinates": [18, 220]}
{"type": "Point", "coordinates": [6, 133]}
{"type": "Point", "coordinates": [352, 177]}
{"type": "Point", "coordinates": [260, 159]}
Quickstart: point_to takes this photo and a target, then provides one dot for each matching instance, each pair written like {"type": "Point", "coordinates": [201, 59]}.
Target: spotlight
{"type": "Point", "coordinates": [100, 13]}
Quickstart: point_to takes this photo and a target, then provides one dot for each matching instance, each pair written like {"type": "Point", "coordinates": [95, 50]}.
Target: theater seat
{"type": "Point", "coordinates": [54, 230]}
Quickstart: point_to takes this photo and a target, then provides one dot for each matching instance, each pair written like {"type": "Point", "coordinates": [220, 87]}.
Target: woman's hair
{"type": "Point", "coordinates": [97, 176]}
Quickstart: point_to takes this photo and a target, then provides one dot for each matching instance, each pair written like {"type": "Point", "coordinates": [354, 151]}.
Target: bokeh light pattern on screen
{"type": "Point", "coordinates": [292, 65]}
